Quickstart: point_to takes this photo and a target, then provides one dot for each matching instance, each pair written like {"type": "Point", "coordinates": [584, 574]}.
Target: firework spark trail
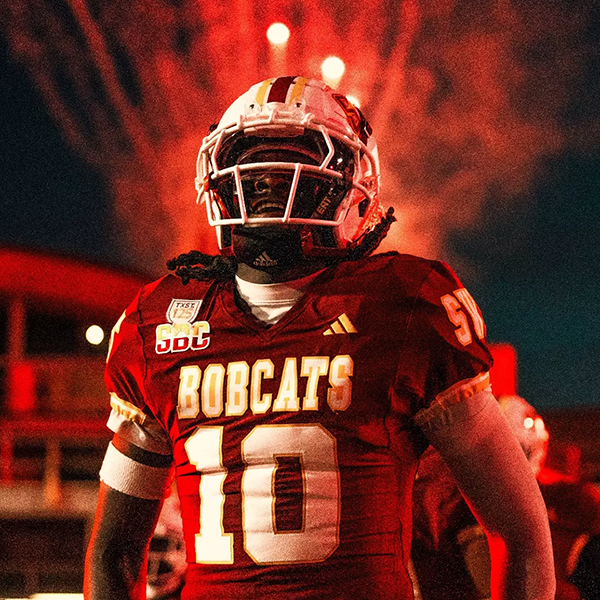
{"type": "Point", "coordinates": [466, 99]}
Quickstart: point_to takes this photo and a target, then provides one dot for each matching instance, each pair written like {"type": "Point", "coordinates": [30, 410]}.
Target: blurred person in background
{"type": "Point", "coordinates": [574, 514]}
{"type": "Point", "coordinates": [450, 549]}
{"type": "Point", "coordinates": [166, 555]}
{"type": "Point", "coordinates": [586, 575]}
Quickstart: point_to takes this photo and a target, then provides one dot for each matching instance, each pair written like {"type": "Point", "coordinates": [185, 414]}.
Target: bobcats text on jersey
{"type": "Point", "coordinates": [238, 386]}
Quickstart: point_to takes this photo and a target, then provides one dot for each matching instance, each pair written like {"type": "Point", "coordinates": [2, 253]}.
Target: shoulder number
{"type": "Point", "coordinates": [456, 304]}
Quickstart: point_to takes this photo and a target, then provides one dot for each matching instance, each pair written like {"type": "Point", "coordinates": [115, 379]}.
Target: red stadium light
{"type": "Point", "coordinates": [503, 375]}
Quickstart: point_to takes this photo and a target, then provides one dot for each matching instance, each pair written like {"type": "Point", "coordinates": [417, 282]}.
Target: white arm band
{"type": "Point", "coordinates": [133, 478]}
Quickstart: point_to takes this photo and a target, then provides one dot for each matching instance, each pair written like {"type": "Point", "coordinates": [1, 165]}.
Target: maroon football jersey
{"type": "Point", "coordinates": [294, 445]}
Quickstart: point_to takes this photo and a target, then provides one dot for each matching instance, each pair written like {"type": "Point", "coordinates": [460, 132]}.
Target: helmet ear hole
{"type": "Point", "coordinates": [362, 207]}
{"type": "Point", "coordinates": [224, 237]}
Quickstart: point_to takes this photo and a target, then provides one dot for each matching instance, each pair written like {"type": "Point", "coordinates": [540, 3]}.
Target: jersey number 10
{"type": "Point", "coordinates": [317, 451]}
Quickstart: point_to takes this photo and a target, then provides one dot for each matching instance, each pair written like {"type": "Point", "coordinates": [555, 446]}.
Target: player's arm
{"type": "Point", "coordinates": [133, 484]}
{"type": "Point", "coordinates": [493, 474]}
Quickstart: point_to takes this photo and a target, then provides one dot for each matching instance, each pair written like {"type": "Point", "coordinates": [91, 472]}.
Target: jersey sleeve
{"type": "Point", "coordinates": [446, 359]}
{"type": "Point", "coordinates": [130, 416]}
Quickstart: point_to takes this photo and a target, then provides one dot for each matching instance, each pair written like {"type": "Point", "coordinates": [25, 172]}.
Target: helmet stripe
{"type": "Point", "coordinates": [262, 91]}
{"type": "Point", "coordinates": [298, 88]}
{"type": "Point", "coordinates": [279, 89]}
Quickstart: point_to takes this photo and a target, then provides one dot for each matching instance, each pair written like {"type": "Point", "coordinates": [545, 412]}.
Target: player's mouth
{"type": "Point", "coordinates": [266, 207]}
{"type": "Point", "coordinates": [267, 194]}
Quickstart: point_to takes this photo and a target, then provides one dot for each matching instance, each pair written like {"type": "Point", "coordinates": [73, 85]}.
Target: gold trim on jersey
{"type": "Point", "coordinates": [459, 392]}
{"type": "Point", "coordinates": [341, 325]}
{"type": "Point", "coordinates": [464, 389]}
{"type": "Point", "coordinates": [127, 409]}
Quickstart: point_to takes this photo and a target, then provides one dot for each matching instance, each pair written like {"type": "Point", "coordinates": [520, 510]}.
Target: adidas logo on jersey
{"type": "Point", "coordinates": [341, 325]}
{"type": "Point", "coordinates": [264, 260]}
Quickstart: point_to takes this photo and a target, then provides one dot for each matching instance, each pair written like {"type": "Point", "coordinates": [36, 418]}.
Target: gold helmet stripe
{"type": "Point", "coordinates": [262, 91]}
{"type": "Point", "coordinates": [297, 89]}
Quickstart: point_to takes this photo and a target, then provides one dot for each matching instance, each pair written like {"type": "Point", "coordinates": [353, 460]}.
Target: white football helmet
{"type": "Point", "coordinates": [291, 151]}
{"type": "Point", "coordinates": [528, 427]}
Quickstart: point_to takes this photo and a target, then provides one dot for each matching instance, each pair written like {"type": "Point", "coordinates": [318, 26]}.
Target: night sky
{"type": "Point", "coordinates": [533, 270]}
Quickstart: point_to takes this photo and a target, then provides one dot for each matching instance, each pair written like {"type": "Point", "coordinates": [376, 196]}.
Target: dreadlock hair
{"type": "Point", "coordinates": [218, 267]}
{"type": "Point", "coordinates": [223, 268]}
{"type": "Point", "coordinates": [372, 239]}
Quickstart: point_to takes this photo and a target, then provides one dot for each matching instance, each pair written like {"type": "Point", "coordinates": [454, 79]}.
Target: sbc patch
{"type": "Point", "coordinates": [182, 333]}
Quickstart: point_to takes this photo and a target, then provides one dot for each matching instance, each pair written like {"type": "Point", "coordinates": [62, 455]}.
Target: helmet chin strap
{"type": "Point", "coordinates": [268, 248]}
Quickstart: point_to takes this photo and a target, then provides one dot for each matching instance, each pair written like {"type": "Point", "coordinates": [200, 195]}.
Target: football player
{"type": "Point", "coordinates": [450, 551]}
{"type": "Point", "coordinates": [294, 381]}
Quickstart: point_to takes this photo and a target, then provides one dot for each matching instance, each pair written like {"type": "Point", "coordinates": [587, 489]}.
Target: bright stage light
{"type": "Point", "coordinates": [354, 100]}
{"type": "Point", "coordinates": [333, 68]}
{"type": "Point", "coordinates": [94, 335]}
{"type": "Point", "coordinates": [278, 34]}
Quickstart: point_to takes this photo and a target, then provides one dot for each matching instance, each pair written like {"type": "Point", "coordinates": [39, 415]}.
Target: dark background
{"type": "Point", "coordinates": [537, 282]}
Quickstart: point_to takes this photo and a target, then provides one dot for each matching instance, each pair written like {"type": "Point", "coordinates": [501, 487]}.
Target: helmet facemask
{"type": "Point", "coordinates": [279, 181]}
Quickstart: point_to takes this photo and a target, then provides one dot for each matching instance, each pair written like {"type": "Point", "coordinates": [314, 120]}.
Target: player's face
{"type": "Point", "coordinates": [269, 190]}
{"type": "Point", "coordinates": [274, 248]}
{"type": "Point", "coordinates": [266, 194]}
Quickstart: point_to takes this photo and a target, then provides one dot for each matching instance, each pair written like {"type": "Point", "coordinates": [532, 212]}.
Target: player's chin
{"type": "Point", "coordinates": [269, 248]}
